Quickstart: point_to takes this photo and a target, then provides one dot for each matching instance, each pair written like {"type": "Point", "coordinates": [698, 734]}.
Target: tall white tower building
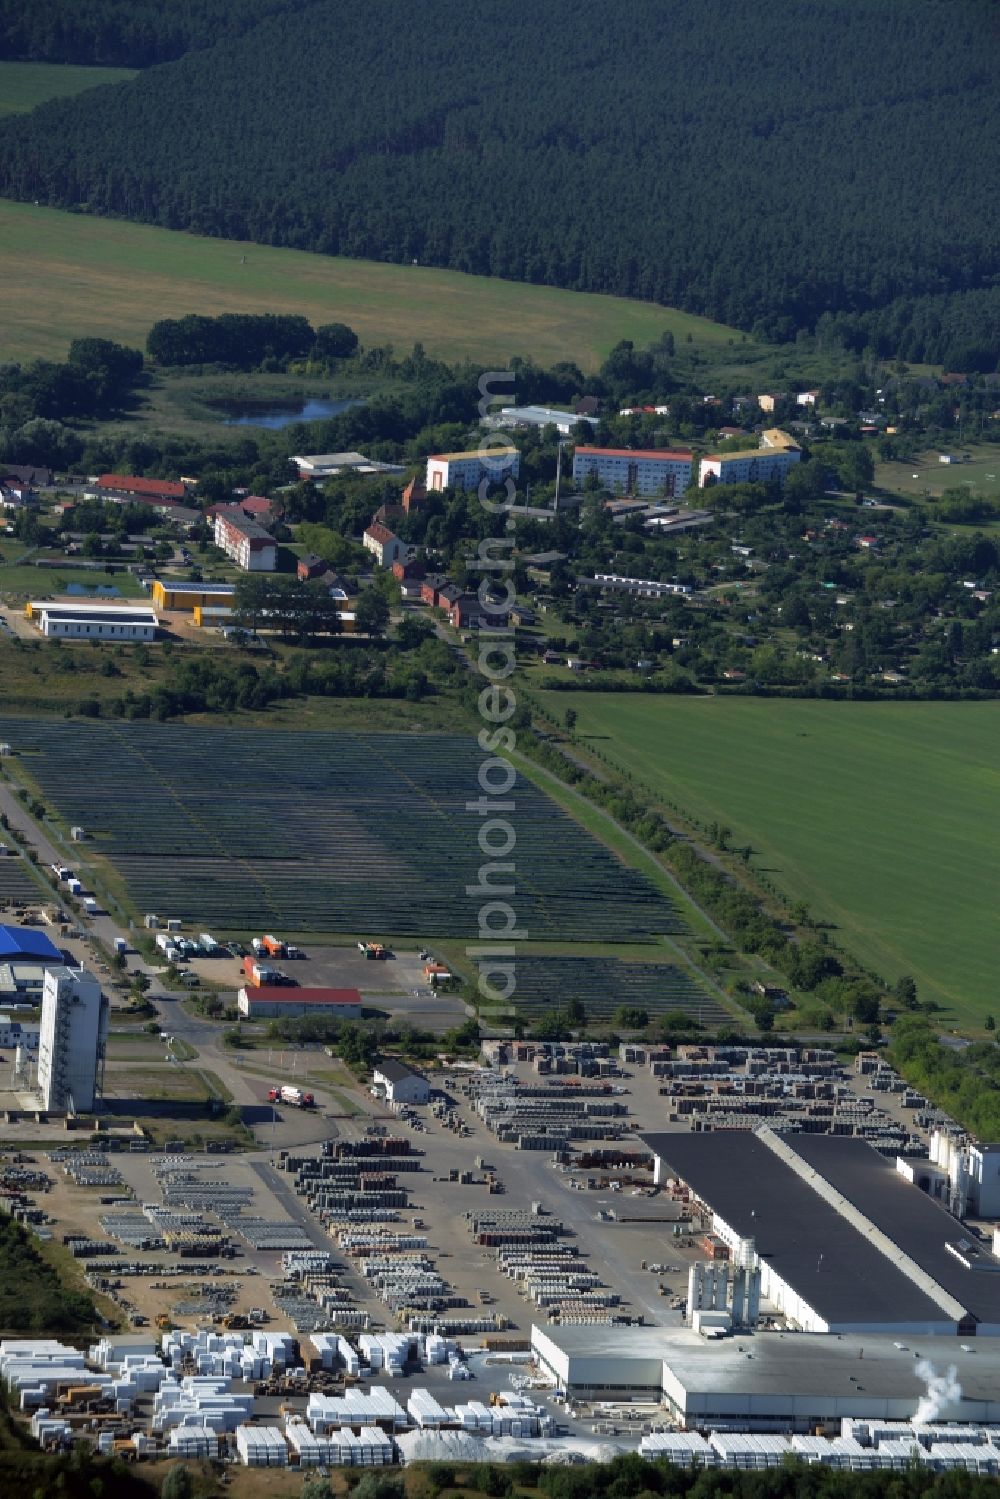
{"type": "Point", "coordinates": [73, 1039]}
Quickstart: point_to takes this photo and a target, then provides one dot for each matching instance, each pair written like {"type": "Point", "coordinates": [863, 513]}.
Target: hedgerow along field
{"type": "Point", "coordinates": [883, 817]}
{"type": "Point", "coordinates": [67, 276]}
{"type": "Point", "coordinates": [25, 85]}
{"type": "Point", "coordinates": [341, 834]}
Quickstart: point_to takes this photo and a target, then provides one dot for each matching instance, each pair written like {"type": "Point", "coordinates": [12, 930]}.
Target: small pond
{"type": "Point", "coordinates": [277, 414]}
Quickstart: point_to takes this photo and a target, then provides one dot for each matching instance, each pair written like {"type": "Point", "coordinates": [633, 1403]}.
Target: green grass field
{"type": "Point", "coordinates": [926, 477]}
{"type": "Point", "coordinates": [24, 85]}
{"type": "Point", "coordinates": [66, 275]}
{"type": "Point", "coordinates": [883, 817]}
{"type": "Point", "coordinates": [22, 581]}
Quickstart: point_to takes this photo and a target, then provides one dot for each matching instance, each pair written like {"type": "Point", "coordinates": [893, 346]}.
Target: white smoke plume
{"type": "Point", "coordinates": [942, 1389]}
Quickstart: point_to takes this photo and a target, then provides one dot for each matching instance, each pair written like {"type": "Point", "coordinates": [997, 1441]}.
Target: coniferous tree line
{"type": "Point", "coordinates": [123, 33]}
{"type": "Point", "coordinates": [680, 152]}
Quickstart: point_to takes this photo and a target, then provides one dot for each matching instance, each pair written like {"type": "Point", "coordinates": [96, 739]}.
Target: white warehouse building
{"type": "Point", "coordinates": [74, 1035]}
{"type": "Point", "coordinates": [72, 621]}
{"type": "Point", "coordinates": [770, 1381]}
{"type": "Point", "coordinates": [540, 416]}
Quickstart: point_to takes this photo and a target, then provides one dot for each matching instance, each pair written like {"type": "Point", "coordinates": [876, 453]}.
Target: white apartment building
{"type": "Point", "coordinates": [636, 471]}
{"type": "Point", "coordinates": [777, 454]}
{"type": "Point", "coordinates": [74, 1034]}
{"type": "Point", "coordinates": [468, 470]}
{"type": "Point", "coordinates": [246, 541]}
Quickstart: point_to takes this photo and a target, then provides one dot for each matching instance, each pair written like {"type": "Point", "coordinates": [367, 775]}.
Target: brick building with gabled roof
{"type": "Point", "coordinates": [414, 496]}
{"type": "Point", "coordinates": [271, 1001]}
{"type": "Point", "coordinates": [122, 487]}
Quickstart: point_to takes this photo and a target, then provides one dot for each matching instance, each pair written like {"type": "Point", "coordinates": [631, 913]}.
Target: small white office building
{"type": "Point", "coordinates": [73, 621]}
{"type": "Point", "coordinates": [17, 1033]}
{"type": "Point", "coordinates": [400, 1084]}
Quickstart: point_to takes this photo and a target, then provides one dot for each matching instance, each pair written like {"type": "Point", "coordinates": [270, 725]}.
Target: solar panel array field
{"type": "Point", "coordinates": [334, 833]}
{"type": "Point", "coordinates": [16, 885]}
{"type": "Point", "coordinates": [602, 985]}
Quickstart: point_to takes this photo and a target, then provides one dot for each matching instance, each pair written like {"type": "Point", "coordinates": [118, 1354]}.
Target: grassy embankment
{"type": "Point", "coordinates": [882, 817]}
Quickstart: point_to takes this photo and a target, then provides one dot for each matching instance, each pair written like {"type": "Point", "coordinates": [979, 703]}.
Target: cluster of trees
{"type": "Point", "coordinates": [965, 1083]}
{"type": "Point", "coordinates": [630, 1476]}
{"type": "Point", "coordinates": [810, 612]}
{"type": "Point", "coordinates": [32, 1297]}
{"type": "Point", "coordinates": [302, 611]}
{"type": "Point", "coordinates": [97, 378]}
{"type": "Point", "coordinates": [359, 1045]}
{"type": "Point", "coordinates": [208, 683]}
{"type": "Point", "coordinates": [598, 180]}
{"type": "Point", "coordinates": [248, 341]}
{"type": "Point", "coordinates": [963, 507]}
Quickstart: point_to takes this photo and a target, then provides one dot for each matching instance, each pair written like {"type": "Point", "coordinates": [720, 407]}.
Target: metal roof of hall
{"type": "Point", "coordinates": [808, 1363]}
{"type": "Point", "coordinates": [920, 1226]}
{"type": "Point", "coordinates": [815, 1250]}
{"type": "Point", "coordinates": [21, 942]}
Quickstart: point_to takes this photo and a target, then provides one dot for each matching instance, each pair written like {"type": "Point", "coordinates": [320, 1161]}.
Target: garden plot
{"type": "Point", "coordinates": [341, 833]}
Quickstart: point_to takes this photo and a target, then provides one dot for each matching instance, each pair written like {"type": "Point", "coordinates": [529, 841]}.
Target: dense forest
{"type": "Point", "coordinates": [685, 152]}
{"type": "Point", "coordinates": [124, 33]}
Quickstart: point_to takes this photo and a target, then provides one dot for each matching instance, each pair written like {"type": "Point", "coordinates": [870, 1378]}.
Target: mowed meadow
{"type": "Point", "coordinates": [25, 85]}
{"type": "Point", "coordinates": [883, 817]}
{"type": "Point", "coordinates": [66, 275]}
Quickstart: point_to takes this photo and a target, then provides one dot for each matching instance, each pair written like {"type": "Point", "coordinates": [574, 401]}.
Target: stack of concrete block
{"type": "Point", "coordinates": [200, 1400]}
{"type": "Point", "coordinates": [193, 1441]}
{"type": "Point", "coordinates": [261, 1447]}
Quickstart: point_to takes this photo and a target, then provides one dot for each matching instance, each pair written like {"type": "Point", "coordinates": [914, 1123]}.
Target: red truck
{"type": "Point", "coordinates": [293, 1096]}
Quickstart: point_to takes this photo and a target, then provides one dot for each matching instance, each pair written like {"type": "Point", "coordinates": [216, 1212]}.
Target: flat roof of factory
{"type": "Point", "coordinates": [805, 1240]}
{"type": "Point", "coordinates": [920, 1226]}
{"type": "Point", "coordinates": [810, 1364]}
